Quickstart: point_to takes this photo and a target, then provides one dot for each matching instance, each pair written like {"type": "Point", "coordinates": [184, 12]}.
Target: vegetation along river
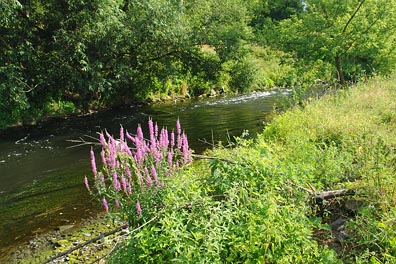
{"type": "Point", "coordinates": [41, 171]}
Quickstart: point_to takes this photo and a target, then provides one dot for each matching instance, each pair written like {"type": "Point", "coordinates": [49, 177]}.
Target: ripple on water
{"type": "Point", "coordinates": [239, 99]}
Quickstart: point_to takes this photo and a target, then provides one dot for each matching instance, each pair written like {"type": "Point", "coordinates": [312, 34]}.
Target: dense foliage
{"type": "Point", "coordinates": [252, 203]}
{"type": "Point", "coordinates": [58, 57]}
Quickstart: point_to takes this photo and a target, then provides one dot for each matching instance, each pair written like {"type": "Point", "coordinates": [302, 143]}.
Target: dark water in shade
{"type": "Point", "coordinates": [41, 176]}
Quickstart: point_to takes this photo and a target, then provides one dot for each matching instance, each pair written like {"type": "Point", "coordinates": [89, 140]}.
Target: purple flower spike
{"type": "Point", "coordinates": [130, 137]}
{"type": "Point", "coordinates": [172, 142]}
{"type": "Point", "coordinates": [102, 141]}
{"type": "Point", "coordinates": [148, 178]}
{"type": "Point", "coordinates": [179, 142]}
{"type": "Point", "coordinates": [102, 154]}
{"type": "Point", "coordinates": [86, 183]}
{"type": "Point", "coordinates": [127, 150]}
{"type": "Point", "coordinates": [178, 127]}
{"type": "Point", "coordinates": [93, 163]}
{"type": "Point", "coordinates": [139, 133]}
{"type": "Point", "coordinates": [170, 159]}
{"type": "Point", "coordinates": [105, 205]}
{"type": "Point", "coordinates": [124, 185]}
{"type": "Point", "coordinates": [128, 172]}
{"type": "Point", "coordinates": [186, 151]}
{"type": "Point", "coordinates": [121, 134]}
{"type": "Point", "coordinates": [116, 183]}
{"type": "Point", "coordinates": [154, 173]}
{"type": "Point", "coordinates": [140, 155]}
{"type": "Point", "coordinates": [111, 159]}
{"type": "Point", "coordinates": [117, 203]}
{"type": "Point", "coordinates": [164, 140]}
{"type": "Point", "coordinates": [138, 208]}
{"type": "Point", "coordinates": [151, 128]}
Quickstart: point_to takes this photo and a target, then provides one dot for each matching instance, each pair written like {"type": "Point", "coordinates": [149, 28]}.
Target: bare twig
{"type": "Point", "coordinates": [300, 187]}
{"type": "Point", "coordinates": [82, 142]}
{"type": "Point", "coordinates": [206, 142]}
{"type": "Point", "coordinates": [311, 187]}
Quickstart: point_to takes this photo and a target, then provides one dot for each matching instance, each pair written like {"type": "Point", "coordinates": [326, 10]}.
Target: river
{"type": "Point", "coordinates": [41, 171]}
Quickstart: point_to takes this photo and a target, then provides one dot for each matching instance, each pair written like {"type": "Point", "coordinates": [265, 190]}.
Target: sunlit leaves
{"type": "Point", "coordinates": [352, 32]}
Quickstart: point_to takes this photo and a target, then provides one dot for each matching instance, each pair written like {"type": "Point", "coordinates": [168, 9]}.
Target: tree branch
{"type": "Point", "coordinates": [366, 31]}
{"type": "Point", "coordinates": [353, 15]}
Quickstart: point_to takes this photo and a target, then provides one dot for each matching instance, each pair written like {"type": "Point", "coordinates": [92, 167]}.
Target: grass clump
{"type": "Point", "coordinates": [248, 203]}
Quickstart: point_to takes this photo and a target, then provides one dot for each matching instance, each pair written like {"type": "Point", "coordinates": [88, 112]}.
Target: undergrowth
{"type": "Point", "coordinates": [249, 204]}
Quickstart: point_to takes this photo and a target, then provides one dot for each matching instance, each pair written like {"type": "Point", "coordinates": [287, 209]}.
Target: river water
{"type": "Point", "coordinates": [41, 171]}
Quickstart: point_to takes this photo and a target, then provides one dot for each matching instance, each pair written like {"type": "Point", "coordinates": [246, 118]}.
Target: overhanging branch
{"type": "Point", "coordinates": [353, 16]}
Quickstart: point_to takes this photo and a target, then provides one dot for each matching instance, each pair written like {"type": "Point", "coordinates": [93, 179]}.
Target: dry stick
{"type": "Point", "coordinates": [311, 187]}
{"type": "Point", "coordinates": [300, 187]}
{"type": "Point", "coordinates": [61, 254]}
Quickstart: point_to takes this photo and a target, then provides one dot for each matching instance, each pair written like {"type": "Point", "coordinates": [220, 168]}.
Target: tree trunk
{"type": "Point", "coordinates": [341, 78]}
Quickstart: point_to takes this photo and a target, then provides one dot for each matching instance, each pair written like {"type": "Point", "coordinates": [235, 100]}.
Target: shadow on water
{"type": "Point", "coordinates": [41, 176]}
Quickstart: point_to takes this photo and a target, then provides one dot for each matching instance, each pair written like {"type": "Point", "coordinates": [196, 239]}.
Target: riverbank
{"type": "Point", "coordinates": [43, 172]}
{"type": "Point", "coordinates": [270, 199]}
{"type": "Point", "coordinates": [258, 201]}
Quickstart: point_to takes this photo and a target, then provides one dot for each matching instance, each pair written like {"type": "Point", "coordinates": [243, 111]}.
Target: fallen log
{"type": "Point", "coordinates": [326, 195]}
{"type": "Point", "coordinates": [332, 194]}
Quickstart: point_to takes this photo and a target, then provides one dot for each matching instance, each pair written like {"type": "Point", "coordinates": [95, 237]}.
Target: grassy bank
{"type": "Point", "coordinates": [255, 202]}
{"type": "Point", "coordinates": [252, 203]}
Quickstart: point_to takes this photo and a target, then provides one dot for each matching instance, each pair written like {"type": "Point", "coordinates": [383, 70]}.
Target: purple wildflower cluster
{"type": "Point", "coordinates": [133, 165]}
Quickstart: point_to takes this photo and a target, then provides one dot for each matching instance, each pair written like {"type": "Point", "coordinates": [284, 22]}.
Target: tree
{"type": "Point", "coordinates": [102, 52]}
{"type": "Point", "coordinates": [352, 35]}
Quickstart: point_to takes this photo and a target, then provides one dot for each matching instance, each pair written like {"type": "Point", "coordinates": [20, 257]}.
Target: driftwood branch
{"type": "Point", "coordinates": [332, 194]}
{"type": "Point", "coordinates": [93, 240]}
{"type": "Point", "coordinates": [300, 187]}
{"type": "Point", "coordinates": [320, 197]}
